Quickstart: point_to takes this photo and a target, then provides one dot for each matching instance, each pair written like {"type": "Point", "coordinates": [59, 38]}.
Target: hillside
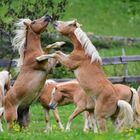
{"type": "Point", "coordinates": [106, 17]}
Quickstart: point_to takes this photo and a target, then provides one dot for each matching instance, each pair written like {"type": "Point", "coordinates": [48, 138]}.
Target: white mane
{"type": "Point", "coordinates": [20, 37]}
{"type": "Point", "coordinates": [49, 82]}
{"type": "Point", "coordinates": [89, 48]}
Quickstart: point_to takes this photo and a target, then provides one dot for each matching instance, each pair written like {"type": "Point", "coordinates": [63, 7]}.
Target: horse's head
{"type": "Point", "coordinates": [66, 27]}
{"type": "Point", "coordinates": [56, 97]}
{"type": "Point", "coordinates": [38, 25]}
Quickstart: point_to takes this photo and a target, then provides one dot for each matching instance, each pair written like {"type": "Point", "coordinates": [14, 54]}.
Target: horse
{"type": "Point", "coordinates": [32, 74]}
{"type": "Point", "coordinates": [4, 85]}
{"type": "Point", "coordinates": [83, 102]}
{"type": "Point", "coordinates": [63, 99]}
{"type": "Point", "coordinates": [86, 63]}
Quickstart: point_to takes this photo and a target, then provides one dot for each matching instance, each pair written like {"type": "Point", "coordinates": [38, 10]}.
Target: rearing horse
{"type": "Point", "coordinates": [86, 63]}
{"type": "Point", "coordinates": [32, 74]}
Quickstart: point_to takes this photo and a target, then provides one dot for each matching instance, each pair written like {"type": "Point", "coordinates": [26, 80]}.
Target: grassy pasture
{"type": "Point", "coordinates": [106, 17]}
{"type": "Point", "coordinates": [37, 125]}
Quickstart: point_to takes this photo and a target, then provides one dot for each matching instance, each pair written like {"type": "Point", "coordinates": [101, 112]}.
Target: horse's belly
{"type": "Point", "coordinates": [32, 89]}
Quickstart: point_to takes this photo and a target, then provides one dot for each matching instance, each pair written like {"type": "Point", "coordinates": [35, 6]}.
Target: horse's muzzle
{"type": "Point", "coordinates": [48, 18]}
{"type": "Point", "coordinates": [52, 106]}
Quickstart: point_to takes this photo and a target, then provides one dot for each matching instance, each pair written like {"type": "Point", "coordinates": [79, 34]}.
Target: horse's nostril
{"type": "Point", "coordinates": [51, 106]}
{"type": "Point", "coordinates": [48, 18]}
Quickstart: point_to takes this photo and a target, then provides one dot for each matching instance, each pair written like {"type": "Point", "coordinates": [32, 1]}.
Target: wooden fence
{"type": "Point", "coordinates": [106, 61]}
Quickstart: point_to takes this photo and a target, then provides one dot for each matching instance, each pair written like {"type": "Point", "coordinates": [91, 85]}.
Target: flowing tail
{"type": "Point", "coordinates": [135, 102]}
{"type": "Point", "coordinates": [127, 112]}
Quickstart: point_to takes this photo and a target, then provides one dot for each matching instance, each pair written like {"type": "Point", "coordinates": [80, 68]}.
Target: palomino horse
{"type": "Point", "coordinates": [4, 85]}
{"type": "Point", "coordinates": [86, 63]}
{"type": "Point", "coordinates": [71, 92]}
{"type": "Point", "coordinates": [32, 74]}
{"type": "Point", "coordinates": [83, 102]}
{"type": "Point", "coordinates": [23, 115]}
{"type": "Point", "coordinates": [44, 99]}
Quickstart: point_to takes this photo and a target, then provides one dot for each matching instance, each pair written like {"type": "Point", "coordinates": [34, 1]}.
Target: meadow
{"type": "Point", "coordinates": [101, 17]}
{"type": "Point", "coordinates": [37, 125]}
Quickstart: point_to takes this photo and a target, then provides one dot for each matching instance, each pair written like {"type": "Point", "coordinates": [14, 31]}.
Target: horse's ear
{"type": "Point", "coordinates": [26, 24]}
{"type": "Point", "coordinates": [75, 23]}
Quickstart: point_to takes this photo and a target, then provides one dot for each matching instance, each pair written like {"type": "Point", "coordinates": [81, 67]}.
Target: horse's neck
{"type": "Point", "coordinates": [32, 43]}
{"type": "Point", "coordinates": [75, 42]}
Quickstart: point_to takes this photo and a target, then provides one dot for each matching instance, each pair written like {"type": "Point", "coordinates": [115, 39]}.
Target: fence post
{"type": "Point", "coordinates": [125, 65]}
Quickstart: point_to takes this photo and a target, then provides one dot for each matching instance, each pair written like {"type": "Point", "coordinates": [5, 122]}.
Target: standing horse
{"type": "Point", "coordinates": [32, 74]}
{"type": "Point", "coordinates": [86, 63]}
{"type": "Point", "coordinates": [23, 114]}
{"type": "Point", "coordinates": [4, 85]}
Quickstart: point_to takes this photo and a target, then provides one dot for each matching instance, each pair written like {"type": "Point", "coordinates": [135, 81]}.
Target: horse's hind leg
{"type": "Point", "coordinates": [93, 121]}
{"type": "Point", "coordinates": [57, 118]}
{"type": "Point", "coordinates": [23, 117]}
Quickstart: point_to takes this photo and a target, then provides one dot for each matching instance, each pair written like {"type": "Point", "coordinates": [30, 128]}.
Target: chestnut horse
{"type": "Point", "coordinates": [4, 85]}
{"type": "Point", "coordinates": [83, 102]}
{"type": "Point", "coordinates": [86, 63]}
{"type": "Point", "coordinates": [32, 74]}
{"type": "Point", "coordinates": [45, 98]}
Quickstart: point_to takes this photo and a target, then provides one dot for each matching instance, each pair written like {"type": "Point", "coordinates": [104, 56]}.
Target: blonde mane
{"type": "Point", "coordinates": [49, 82]}
{"type": "Point", "coordinates": [20, 38]}
{"type": "Point", "coordinates": [89, 48]}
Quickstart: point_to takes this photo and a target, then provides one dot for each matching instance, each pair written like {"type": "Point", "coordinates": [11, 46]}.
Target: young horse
{"type": "Point", "coordinates": [4, 85]}
{"type": "Point", "coordinates": [63, 100]}
{"type": "Point", "coordinates": [86, 63]}
{"type": "Point", "coordinates": [71, 92]}
{"type": "Point", "coordinates": [32, 74]}
{"type": "Point", "coordinates": [44, 100]}
{"type": "Point", "coordinates": [83, 102]}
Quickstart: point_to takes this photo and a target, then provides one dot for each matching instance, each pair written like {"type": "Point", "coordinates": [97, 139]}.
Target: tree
{"type": "Point", "coordinates": [11, 10]}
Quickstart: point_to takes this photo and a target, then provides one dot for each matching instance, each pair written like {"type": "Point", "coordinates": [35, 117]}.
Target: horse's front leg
{"type": "Point", "coordinates": [47, 119]}
{"type": "Point", "coordinates": [77, 111]}
{"type": "Point", "coordinates": [62, 58]}
{"type": "Point", "coordinates": [57, 118]}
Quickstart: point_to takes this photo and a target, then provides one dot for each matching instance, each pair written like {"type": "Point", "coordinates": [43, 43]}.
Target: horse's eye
{"type": "Point", "coordinates": [33, 22]}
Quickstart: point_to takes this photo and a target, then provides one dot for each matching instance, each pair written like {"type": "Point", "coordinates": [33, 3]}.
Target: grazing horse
{"type": "Point", "coordinates": [45, 98]}
{"type": "Point", "coordinates": [71, 92]}
{"type": "Point", "coordinates": [32, 74]}
{"type": "Point", "coordinates": [86, 63]}
{"type": "Point", "coordinates": [4, 85]}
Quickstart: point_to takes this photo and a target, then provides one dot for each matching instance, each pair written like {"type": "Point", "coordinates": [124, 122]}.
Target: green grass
{"type": "Point", "coordinates": [37, 125]}
{"type": "Point", "coordinates": [118, 70]}
{"type": "Point", "coordinates": [106, 17]}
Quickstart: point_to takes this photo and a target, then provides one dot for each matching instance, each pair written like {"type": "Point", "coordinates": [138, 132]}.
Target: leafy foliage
{"type": "Point", "coordinates": [14, 9]}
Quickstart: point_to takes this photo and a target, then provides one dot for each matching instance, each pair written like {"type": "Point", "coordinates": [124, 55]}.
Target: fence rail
{"type": "Point", "coordinates": [106, 61]}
